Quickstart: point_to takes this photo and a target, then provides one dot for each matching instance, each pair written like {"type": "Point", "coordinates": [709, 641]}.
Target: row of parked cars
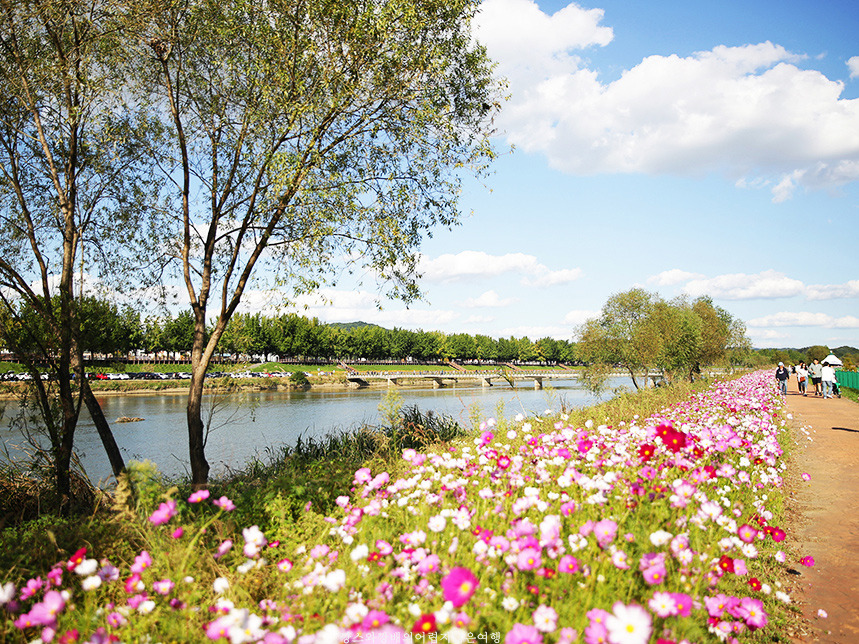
{"type": "Point", "coordinates": [20, 376]}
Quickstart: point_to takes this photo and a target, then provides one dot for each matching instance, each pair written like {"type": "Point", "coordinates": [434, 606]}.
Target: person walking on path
{"type": "Point", "coordinates": [781, 375]}
{"type": "Point", "coordinates": [814, 370]}
{"type": "Point", "coordinates": [802, 378]}
{"type": "Point", "coordinates": [827, 375]}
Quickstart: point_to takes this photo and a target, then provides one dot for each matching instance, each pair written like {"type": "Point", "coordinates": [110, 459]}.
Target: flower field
{"type": "Point", "coordinates": [659, 529]}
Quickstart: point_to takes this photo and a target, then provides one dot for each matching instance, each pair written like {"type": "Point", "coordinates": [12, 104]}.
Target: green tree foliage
{"type": "Point", "coordinates": [72, 179]}
{"type": "Point", "coordinates": [639, 332]}
{"type": "Point", "coordinates": [311, 132]}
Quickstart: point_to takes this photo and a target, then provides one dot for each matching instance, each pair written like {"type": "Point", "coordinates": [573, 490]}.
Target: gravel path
{"type": "Point", "coordinates": [825, 513]}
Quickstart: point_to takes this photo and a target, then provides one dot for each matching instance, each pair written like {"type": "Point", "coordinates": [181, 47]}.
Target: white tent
{"type": "Point", "coordinates": [832, 360]}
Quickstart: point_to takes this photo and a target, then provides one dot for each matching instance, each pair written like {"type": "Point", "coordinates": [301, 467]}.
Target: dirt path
{"type": "Point", "coordinates": [825, 514]}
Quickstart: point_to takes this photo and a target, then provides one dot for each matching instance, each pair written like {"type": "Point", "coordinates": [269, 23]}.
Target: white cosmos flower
{"type": "Point", "coordinates": [628, 624]}
{"type": "Point", "coordinates": [91, 583]}
{"type": "Point", "coordinates": [510, 603]}
{"type": "Point", "coordinates": [86, 568]}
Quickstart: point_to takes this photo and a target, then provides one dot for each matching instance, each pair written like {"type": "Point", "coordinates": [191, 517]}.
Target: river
{"type": "Point", "coordinates": [248, 425]}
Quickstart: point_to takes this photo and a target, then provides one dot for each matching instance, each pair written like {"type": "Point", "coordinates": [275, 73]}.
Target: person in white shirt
{"type": "Point", "coordinates": [827, 376]}
{"type": "Point", "coordinates": [802, 378]}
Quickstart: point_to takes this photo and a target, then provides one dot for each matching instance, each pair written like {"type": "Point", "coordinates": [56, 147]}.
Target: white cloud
{"type": "Point", "coordinates": [478, 319]}
{"type": "Point", "coordinates": [478, 264]}
{"type": "Point", "coordinates": [554, 278]}
{"type": "Point", "coordinates": [579, 317]}
{"type": "Point", "coordinates": [747, 111]}
{"type": "Point", "coordinates": [853, 66]}
{"type": "Point", "coordinates": [672, 277]}
{"type": "Point", "coordinates": [833, 291]}
{"type": "Point", "coordinates": [739, 286]}
{"type": "Point", "coordinates": [805, 318]}
{"type": "Point", "coordinates": [767, 335]}
{"type": "Point", "coordinates": [489, 299]}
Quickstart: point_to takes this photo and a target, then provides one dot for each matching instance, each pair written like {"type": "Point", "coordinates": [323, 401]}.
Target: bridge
{"type": "Point", "coordinates": [444, 378]}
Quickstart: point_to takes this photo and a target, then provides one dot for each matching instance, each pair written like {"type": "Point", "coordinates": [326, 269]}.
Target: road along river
{"type": "Point", "coordinates": [246, 425]}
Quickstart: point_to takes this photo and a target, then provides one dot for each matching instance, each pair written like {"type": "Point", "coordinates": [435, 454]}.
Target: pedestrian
{"type": "Point", "coordinates": [781, 375]}
{"type": "Point", "coordinates": [802, 378]}
{"type": "Point", "coordinates": [827, 375]}
{"type": "Point", "coordinates": [815, 370]}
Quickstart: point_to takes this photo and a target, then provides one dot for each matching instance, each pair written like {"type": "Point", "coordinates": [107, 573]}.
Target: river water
{"type": "Point", "coordinates": [251, 424]}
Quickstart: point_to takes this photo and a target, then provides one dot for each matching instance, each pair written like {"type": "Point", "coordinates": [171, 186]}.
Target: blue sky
{"type": "Point", "coordinates": [707, 148]}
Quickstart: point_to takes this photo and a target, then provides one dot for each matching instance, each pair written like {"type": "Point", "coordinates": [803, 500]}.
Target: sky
{"type": "Point", "coordinates": [687, 148]}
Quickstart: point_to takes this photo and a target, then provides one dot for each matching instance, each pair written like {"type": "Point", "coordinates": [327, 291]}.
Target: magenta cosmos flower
{"type": "Point", "coordinates": [164, 513]}
{"type": "Point", "coordinates": [459, 585]}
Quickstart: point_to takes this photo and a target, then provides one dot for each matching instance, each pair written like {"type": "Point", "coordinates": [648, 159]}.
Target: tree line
{"type": "Point", "coordinates": [117, 331]}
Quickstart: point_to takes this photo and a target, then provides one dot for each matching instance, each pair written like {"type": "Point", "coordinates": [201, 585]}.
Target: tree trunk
{"type": "Point", "coordinates": [632, 375]}
{"type": "Point", "coordinates": [196, 429]}
{"type": "Point", "coordinates": [114, 456]}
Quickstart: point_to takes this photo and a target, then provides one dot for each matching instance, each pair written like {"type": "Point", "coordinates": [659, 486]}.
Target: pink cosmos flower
{"type": "Point", "coordinates": [807, 561]}
{"type": "Point", "coordinates": [141, 562]}
{"type": "Point", "coordinates": [568, 508]}
{"type": "Point", "coordinates": [806, 476]}
{"type": "Point", "coordinates": [198, 496]}
{"type": "Point", "coordinates": [747, 533]}
{"type": "Point", "coordinates": [164, 513]}
{"type": "Point", "coordinates": [224, 548]}
{"type": "Point", "coordinates": [163, 587]}
{"type": "Point", "coordinates": [428, 564]}
{"type": "Point", "coordinates": [605, 531]}
{"type": "Point", "coordinates": [654, 574]}
{"type": "Point", "coordinates": [375, 619]}
{"type": "Point", "coordinates": [568, 636]}
{"type": "Point", "coordinates": [568, 564]}
{"type": "Point", "coordinates": [31, 588]}
{"type": "Point", "coordinates": [523, 634]}
{"type": "Point", "coordinates": [716, 605]}
{"type": "Point", "coordinates": [752, 612]}
{"type": "Point", "coordinates": [45, 612]}
{"type": "Point", "coordinates": [363, 475]}
{"type": "Point", "coordinates": [220, 627]}
{"type": "Point", "coordinates": [115, 620]}
{"type": "Point", "coordinates": [177, 533]}
{"type": "Point", "coordinates": [459, 585]}
{"type": "Point", "coordinates": [529, 559]}
{"type": "Point", "coordinates": [284, 565]}
{"type": "Point", "coordinates": [225, 504]}
{"type": "Point", "coordinates": [596, 632]}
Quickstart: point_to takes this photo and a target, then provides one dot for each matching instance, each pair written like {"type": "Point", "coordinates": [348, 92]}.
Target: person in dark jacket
{"type": "Point", "coordinates": [781, 375]}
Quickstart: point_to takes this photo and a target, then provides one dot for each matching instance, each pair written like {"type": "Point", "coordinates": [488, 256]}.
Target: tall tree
{"type": "Point", "coordinates": [316, 133]}
{"type": "Point", "coordinates": [71, 175]}
{"type": "Point", "coordinates": [625, 334]}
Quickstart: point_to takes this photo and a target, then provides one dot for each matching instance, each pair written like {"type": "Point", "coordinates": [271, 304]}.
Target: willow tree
{"type": "Point", "coordinates": [72, 174]}
{"type": "Point", "coordinates": [309, 137]}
